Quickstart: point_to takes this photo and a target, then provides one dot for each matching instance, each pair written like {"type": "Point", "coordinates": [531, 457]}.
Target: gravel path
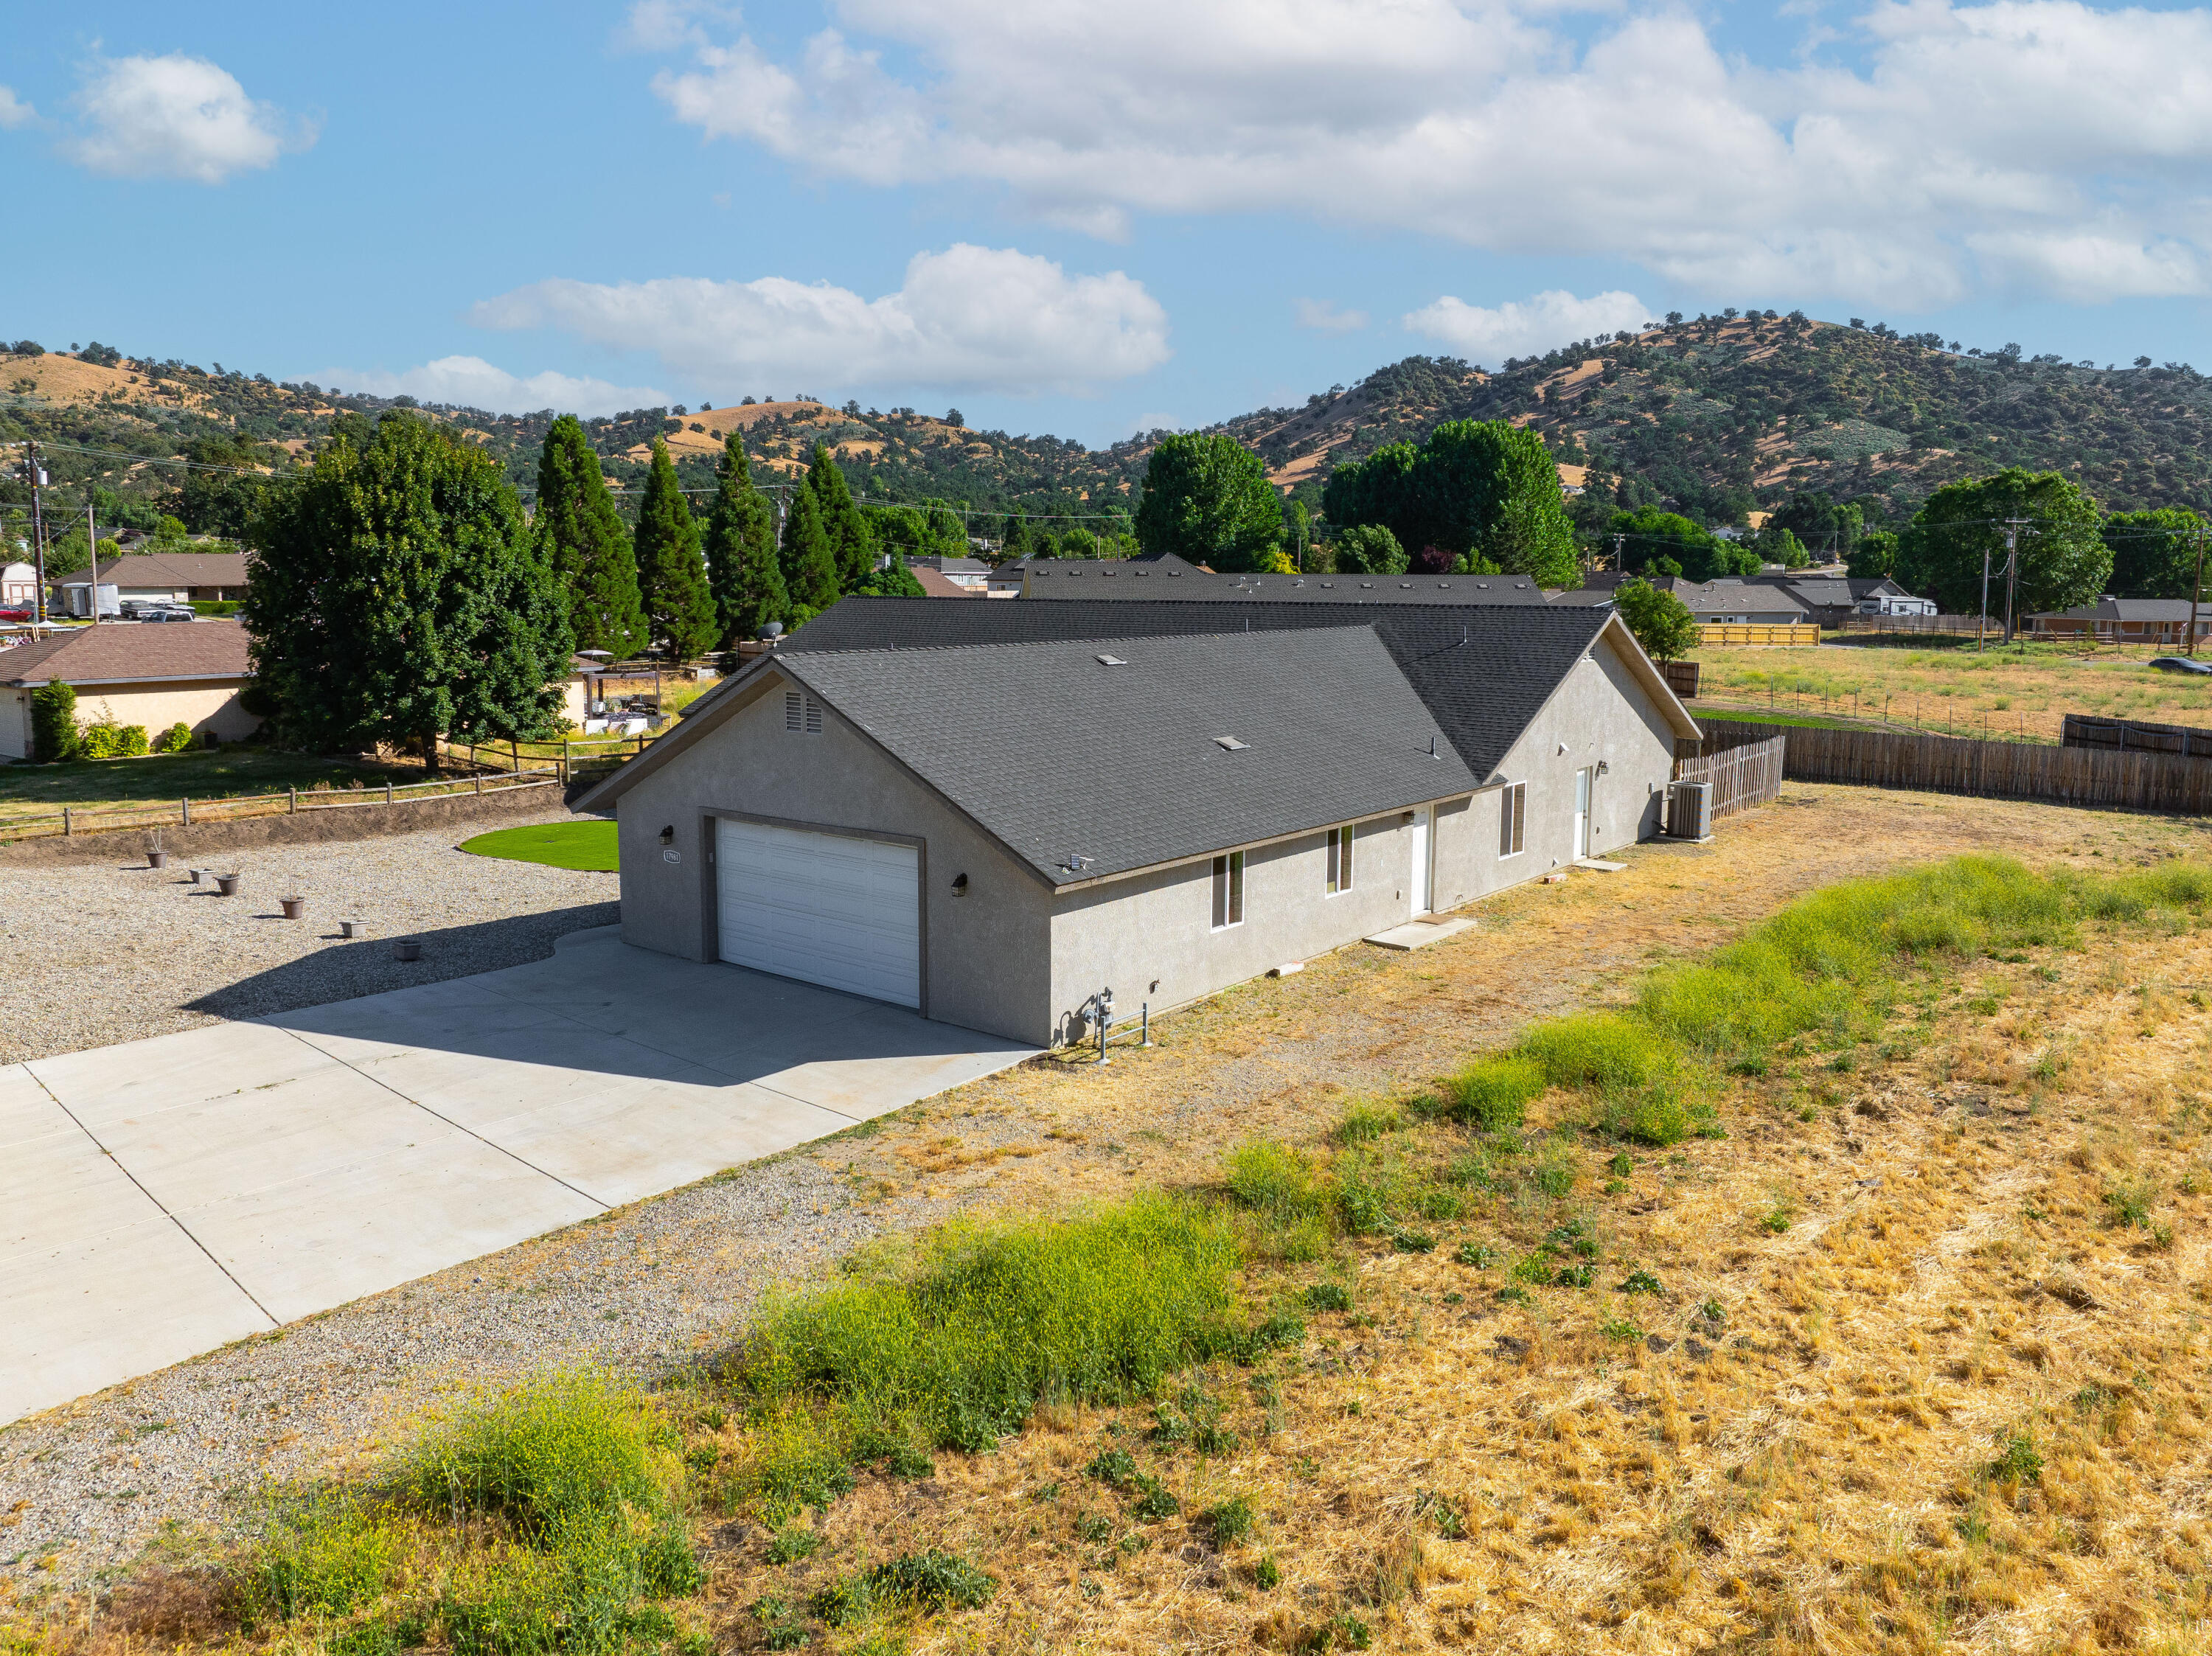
{"type": "Point", "coordinates": [107, 954]}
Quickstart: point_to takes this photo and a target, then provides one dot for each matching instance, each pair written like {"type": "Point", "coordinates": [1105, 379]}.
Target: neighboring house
{"type": "Point", "coordinates": [19, 586]}
{"type": "Point", "coordinates": [1739, 603]}
{"type": "Point", "coordinates": [173, 577]}
{"type": "Point", "coordinates": [972, 574]}
{"type": "Point", "coordinates": [1174, 579]}
{"type": "Point", "coordinates": [937, 585]}
{"type": "Point", "coordinates": [1828, 599]}
{"type": "Point", "coordinates": [2126, 621]}
{"type": "Point", "coordinates": [1179, 799]}
{"type": "Point", "coordinates": [135, 673]}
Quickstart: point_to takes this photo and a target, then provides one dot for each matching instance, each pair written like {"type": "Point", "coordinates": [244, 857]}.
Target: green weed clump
{"type": "Point", "coordinates": [956, 1351]}
{"type": "Point", "coordinates": [1494, 1093]}
{"type": "Point", "coordinates": [548, 1518]}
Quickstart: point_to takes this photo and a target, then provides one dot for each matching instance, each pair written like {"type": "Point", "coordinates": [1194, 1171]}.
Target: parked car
{"type": "Point", "coordinates": [165, 612]}
{"type": "Point", "coordinates": [14, 615]}
{"type": "Point", "coordinates": [2180, 664]}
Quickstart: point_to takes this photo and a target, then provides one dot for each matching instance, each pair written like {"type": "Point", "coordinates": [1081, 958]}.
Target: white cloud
{"type": "Point", "coordinates": [13, 112]}
{"type": "Point", "coordinates": [969, 317]}
{"type": "Point", "coordinates": [177, 117]}
{"type": "Point", "coordinates": [1322, 316]}
{"type": "Point", "coordinates": [2037, 145]}
{"type": "Point", "coordinates": [474, 383]}
{"type": "Point", "coordinates": [1489, 335]}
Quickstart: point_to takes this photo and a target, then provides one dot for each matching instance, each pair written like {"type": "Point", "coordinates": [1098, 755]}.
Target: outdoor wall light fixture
{"type": "Point", "coordinates": [960, 885]}
{"type": "Point", "coordinates": [1604, 766]}
{"type": "Point", "coordinates": [668, 835]}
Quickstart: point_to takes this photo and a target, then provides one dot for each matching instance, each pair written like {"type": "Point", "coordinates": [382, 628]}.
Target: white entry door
{"type": "Point", "coordinates": [1421, 884]}
{"type": "Point", "coordinates": [1582, 813]}
{"type": "Point", "coordinates": [824, 907]}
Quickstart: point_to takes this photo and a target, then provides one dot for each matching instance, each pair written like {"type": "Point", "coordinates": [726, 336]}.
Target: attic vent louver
{"type": "Point", "coordinates": [1230, 744]}
{"type": "Point", "coordinates": [1111, 661]}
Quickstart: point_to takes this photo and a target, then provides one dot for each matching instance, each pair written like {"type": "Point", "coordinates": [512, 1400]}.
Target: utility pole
{"type": "Point", "coordinates": [92, 540]}
{"type": "Point", "coordinates": [1619, 542]}
{"type": "Point", "coordinates": [1981, 623]}
{"type": "Point", "coordinates": [2011, 527]}
{"type": "Point", "coordinates": [37, 477]}
{"type": "Point", "coordinates": [2197, 589]}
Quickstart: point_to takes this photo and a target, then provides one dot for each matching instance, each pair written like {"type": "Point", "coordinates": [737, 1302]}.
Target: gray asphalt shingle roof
{"type": "Point", "coordinates": [1063, 579]}
{"type": "Point", "coordinates": [1120, 765]}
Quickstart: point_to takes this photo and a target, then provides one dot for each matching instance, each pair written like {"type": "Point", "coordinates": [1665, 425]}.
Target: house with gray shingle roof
{"type": "Point", "coordinates": [1168, 798]}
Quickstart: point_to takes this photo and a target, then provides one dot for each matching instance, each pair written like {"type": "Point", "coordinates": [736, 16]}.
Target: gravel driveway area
{"type": "Point", "coordinates": [106, 954]}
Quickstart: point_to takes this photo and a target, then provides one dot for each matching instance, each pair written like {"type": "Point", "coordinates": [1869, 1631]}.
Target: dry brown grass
{"type": "Point", "coordinates": [1954, 688]}
{"type": "Point", "coordinates": [1812, 1473]}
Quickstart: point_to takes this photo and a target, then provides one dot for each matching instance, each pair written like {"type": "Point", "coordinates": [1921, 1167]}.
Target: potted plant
{"type": "Point", "coordinates": [293, 906]}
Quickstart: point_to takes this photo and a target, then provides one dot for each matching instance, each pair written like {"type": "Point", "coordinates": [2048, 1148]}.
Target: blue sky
{"type": "Point", "coordinates": [1077, 217]}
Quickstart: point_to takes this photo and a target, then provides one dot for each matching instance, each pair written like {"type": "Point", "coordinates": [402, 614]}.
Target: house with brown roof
{"type": "Point", "coordinates": [135, 673]}
{"type": "Point", "coordinates": [167, 577]}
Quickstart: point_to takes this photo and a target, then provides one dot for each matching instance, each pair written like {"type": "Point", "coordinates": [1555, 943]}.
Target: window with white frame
{"type": "Point", "coordinates": [1512, 818]}
{"type": "Point", "coordinates": [801, 712]}
{"type": "Point", "coordinates": [1339, 859]}
{"type": "Point", "coordinates": [1229, 890]}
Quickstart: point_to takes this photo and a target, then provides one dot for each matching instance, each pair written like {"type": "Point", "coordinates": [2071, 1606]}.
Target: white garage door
{"type": "Point", "coordinates": [824, 907]}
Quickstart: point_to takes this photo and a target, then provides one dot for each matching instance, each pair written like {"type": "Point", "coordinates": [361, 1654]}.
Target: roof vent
{"type": "Point", "coordinates": [1443, 585]}
{"type": "Point", "coordinates": [1230, 744]}
{"type": "Point", "coordinates": [1405, 586]}
{"type": "Point", "coordinates": [1111, 661]}
{"type": "Point", "coordinates": [1140, 573]}
{"type": "Point", "coordinates": [1328, 583]}
{"type": "Point", "coordinates": [1174, 572]}
{"type": "Point", "coordinates": [1482, 586]}
{"type": "Point", "coordinates": [1366, 585]}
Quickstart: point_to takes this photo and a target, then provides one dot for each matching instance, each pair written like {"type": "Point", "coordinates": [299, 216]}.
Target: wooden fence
{"type": "Point", "coordinates": [1681, 677]}
{"type": "Point", "coordinates": [1743, 776]}
{"type": "Point", "coordinates": [1993, 770]}
{"type": "Point", "coordinates": [2134, 735]}
{"type": "Point", "coordinates": [1941, 626]}
{"type": "Point", "coordinates": [107, 818]}
{"type": "Point", "coordinates": [1723, 633]}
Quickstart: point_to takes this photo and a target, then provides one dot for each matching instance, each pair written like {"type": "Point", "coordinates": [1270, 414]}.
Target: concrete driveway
{"type": "Point", "coordinates": [163, 1197]}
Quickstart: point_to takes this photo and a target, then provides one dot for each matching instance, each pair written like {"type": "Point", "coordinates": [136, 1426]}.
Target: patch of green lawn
{"type": "Point", "coordinates": [588, 845]}
{"type": "Point", "coordinates": [203, 774]}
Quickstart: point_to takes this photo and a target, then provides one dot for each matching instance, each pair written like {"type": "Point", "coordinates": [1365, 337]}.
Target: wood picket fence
{"type": "Point", "coordinates": [2134, 735]}
{"type": "Point", "coordinates": [1993, 770]}
{"type": "Point", "coordinates": [1742, 777]}
{"type": "Point", "coordinates": [1720, 634]}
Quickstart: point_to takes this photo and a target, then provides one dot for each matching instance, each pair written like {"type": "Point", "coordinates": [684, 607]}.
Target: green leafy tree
{"type": "Point", "coordinates": [584, 542]}
{"type": "Point", "coordinates": [68, 553]}
{"type": "Point", "coordinates": [1825, 527]}
{"type": "Point", "coordinates": [1652, 535]}
{"type": "Point", "coordinates": [2063, 559]}
{"type": "Point", "coordinates": [1874, 557]}
{"type": "Point", "coordinates": [217, 494]}
{"type": "Point", "coordinates": [397, 594]}
{"type": "Point", "coordinates": [893, 581]}
{"type": "Point", "coordinates": [1015, 540]}
{"type": "Point", "coordinates": [1080, 543]}
{"type": "Point", "coordinates": [54, 734]}
{"type": "Point", "coordinates": [2154, 553]}
{"type": "Point", "coordinates": [671, 575]}
{"type": "Point", "coordinates": [1781, 546]}
{"type": "Point", "coordinates": [841, 522]}
{"type": "Point", "coordinates": [1369, 550]}
{"type": "Point", "coordinates": [809, 566]}
{"type": "Point", "coordinates": [1663, 623]}
{"type": "Point", "coordinates": [742, 570]}
{"type": "Point", "coordinates": [1297, 535]}
{"type": "Point", "coordinates": [1207, 499]}
{"type": "Point", "coordinates": [1484, 491]}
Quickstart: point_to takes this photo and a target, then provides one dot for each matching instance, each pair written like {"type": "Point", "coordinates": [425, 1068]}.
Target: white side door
{"type": "Point", "coordinates": [1582, 813]}
{"type": "Point", "coordinates": [826, 908]}
{"type": "Point", "coordinates": [1420, 878]}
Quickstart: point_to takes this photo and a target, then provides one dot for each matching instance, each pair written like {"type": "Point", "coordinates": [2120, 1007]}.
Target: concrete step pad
{"type": "Point", "coordinates": [1419, 934]}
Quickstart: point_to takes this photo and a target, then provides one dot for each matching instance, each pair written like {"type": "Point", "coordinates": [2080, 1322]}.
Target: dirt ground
{"type": "Point", "coordinates": [1950, 688]}
{"type": "Point", "coordinates": [1548, 1455]}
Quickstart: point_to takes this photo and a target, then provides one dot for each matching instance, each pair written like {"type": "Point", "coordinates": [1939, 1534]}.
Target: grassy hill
{"type": "Point", "coordinates": [1714, 417]}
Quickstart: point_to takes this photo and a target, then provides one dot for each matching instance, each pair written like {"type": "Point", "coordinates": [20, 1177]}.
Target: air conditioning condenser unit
{"type": "Point", "coordinates": [1689, 810]}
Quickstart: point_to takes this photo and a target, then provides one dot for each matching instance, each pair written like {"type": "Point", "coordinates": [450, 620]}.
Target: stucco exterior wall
{"type": "Point", "coordinates": [985, 962]}
{"type": "Point", "coordinates": [1599, 713]}
{"type": "Point", "coordinates": [205, 706]}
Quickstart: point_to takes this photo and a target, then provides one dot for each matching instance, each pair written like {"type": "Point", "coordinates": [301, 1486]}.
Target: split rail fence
{"type": "Point", "coordinates": [1993, 770]}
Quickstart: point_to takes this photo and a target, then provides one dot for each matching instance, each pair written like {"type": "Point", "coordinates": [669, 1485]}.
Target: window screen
{"type": "Point", "coordinates": [1339, 859]}
{"type": "Point", "coordinates": [1512, 818]}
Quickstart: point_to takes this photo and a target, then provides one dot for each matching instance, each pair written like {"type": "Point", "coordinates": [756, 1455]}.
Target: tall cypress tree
{"type": "Point", "coordinates": [398, 596]}
{"type": "Point", "coordinates": [850, 544]}
{"type": "Point", "coordinates": [671, 578]}
{"type": "Point", "coordinates": [810, 565]}
{"type": "Point", "coordinates": [741, 568]}
{"type": "Point", "coordinates": [584, 542]}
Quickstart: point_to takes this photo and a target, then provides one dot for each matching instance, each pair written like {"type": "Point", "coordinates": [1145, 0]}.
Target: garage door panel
{"type": "Point", "coordinates": [826, 908]}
